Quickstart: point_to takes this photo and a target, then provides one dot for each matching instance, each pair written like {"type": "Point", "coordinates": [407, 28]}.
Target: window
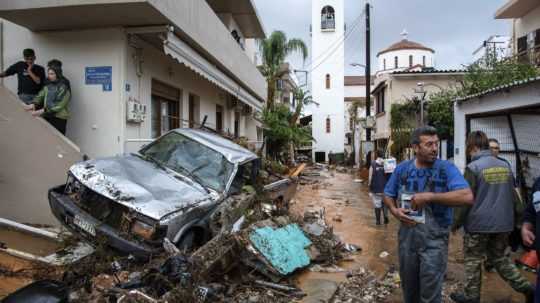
{"type": "Point", "coordinates": [236, 124]}
{"type": "Point", "coordinates": [395, 62]}
{"type": "Point", "coordinates": [380, 102]}
{"type": "Point", "coordinates": [410, 61]}
{"type": "Point", "coordinates": [328, 125]}
{"type": "Point", "coordinates": [384, 64]}
{"type": "Point", "coordinates": [187, 156]}
{"type": "Point", "coordinates": [424, 61]}
{"type": "Point", "coordinates": [219, 118]}
{"type": "Point", "coordinates": [193, 110]}
{"type": "Point", "coordinates": [327, 81]}
{"type": "Point", "coordinates": [166, 105]}
{"type": "Point", "coordinates": [328, 21]}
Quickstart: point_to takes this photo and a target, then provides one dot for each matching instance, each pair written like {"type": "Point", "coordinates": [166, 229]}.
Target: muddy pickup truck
{"type": "Point", "coordinates": [168, 189]}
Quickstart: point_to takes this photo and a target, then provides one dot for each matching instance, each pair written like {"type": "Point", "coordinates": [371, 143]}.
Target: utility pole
{"type": "Point", "coordinates": [368, 70]}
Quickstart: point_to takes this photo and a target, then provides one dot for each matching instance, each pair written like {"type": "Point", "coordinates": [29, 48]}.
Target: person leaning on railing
{"type": "Point", "coordinates": [52, 101]}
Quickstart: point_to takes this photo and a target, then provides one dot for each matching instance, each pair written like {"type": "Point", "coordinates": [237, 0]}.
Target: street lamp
{"type": "Point", "coordinates": [358, 65]}
{"type": "Point", "coordinates": [421, 93]}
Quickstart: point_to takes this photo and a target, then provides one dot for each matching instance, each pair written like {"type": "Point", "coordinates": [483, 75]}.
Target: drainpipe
{"type": "Point", "coordinates": [2, 50]}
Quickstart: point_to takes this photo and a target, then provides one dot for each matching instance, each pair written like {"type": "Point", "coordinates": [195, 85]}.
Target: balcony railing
{"type": "Point", "coordinates": [329, 24]}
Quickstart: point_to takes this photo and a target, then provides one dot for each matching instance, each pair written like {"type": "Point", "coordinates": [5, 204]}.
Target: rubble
{"type": "Point", "coordinates": [255, 250]}
{"type": "Point", "coordinates": [362, 286]}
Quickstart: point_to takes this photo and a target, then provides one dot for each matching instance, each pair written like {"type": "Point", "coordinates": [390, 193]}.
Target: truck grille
{"type": "Point", "coordinates": [99, 207]}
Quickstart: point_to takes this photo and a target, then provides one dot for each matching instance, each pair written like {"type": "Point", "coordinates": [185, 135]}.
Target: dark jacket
{"type": "Point", "coordinates": [533, 217]}
{"type": "Point", "coordinates": [54, 98]}
{"type": "Point", "coordinates": [492, 183]}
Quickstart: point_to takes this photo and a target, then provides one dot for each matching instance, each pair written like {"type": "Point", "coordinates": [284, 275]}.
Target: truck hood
{"type": "Point", "coordinates": [139, 185]}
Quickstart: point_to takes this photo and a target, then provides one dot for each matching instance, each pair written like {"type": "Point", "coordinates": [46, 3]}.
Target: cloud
{"type": "Point", "coordinates": [453, 28]}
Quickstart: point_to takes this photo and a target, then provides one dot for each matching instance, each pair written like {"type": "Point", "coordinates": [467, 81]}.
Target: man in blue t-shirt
{"type": "Point", "coordinates": [421, 193]}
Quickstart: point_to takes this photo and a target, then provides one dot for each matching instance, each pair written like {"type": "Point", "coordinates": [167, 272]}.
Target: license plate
{"type": "Point", "coordinates": [84, 225]}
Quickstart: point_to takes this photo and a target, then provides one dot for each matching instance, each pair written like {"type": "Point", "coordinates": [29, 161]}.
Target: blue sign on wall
{"type": "Point", "coordinates": [100, 75]}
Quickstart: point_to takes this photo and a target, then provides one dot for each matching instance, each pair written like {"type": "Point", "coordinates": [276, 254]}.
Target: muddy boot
{"type": "Point", "coordinates": [378, 216]}
{"type": "Point", "coordinates": [461, 298]}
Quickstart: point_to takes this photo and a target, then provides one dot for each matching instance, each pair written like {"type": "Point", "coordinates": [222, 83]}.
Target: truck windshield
{"type": "Point", "coordinates": [192, 159]}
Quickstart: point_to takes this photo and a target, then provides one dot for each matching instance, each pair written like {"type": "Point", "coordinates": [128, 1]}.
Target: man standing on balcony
{"type": "Point", "coordinates": [30, 76]}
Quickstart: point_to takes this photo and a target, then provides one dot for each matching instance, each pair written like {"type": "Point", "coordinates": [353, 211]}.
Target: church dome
{"type": "Point", "coordinates": [405, 45]}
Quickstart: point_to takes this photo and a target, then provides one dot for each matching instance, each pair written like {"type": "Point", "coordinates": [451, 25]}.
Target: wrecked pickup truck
{"type": "Point", "coordinates": [168, 189]}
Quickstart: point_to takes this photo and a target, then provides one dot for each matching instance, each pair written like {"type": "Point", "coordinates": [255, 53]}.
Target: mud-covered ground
{"type": "Point", "coordinates": [370, 275]}
{"type": "Point", "coordinates": [347, 200]}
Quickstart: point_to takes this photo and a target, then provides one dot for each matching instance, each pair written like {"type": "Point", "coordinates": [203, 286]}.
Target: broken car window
{"type": "Point", "coordinates": [192, 159]}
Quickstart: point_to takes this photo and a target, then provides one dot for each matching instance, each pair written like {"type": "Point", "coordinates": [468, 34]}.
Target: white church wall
{"type": "Point", "coordinates": [331, 105]}
{"type": "Point", "coordinates": [403, 59]}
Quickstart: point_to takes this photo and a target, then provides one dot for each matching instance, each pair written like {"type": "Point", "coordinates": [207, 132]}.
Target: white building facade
{"type": "Point", "coordinates": [327, 78]}
{"type": "Point", "coordinates": [137, 68]}
{"type": "Point", "coordinates": [192, 65]}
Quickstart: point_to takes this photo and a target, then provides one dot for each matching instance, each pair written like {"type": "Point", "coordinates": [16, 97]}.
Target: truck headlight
{"type": "Point", "coordinates": [143, 230]}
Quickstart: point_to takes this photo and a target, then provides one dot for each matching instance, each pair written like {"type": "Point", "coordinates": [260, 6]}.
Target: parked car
{"type": "Point", "coordinates": [166, 190]}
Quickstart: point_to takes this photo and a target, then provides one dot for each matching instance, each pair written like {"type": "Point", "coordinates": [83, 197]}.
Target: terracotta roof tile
{"type": "Point", "coordinates": [405, 44]}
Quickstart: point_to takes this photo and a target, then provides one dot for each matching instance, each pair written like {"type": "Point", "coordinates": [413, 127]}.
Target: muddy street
{"type": "Point", "coordinates": [349, 210]}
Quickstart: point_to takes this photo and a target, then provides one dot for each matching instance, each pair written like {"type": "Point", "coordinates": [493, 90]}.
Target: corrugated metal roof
{"type": "Point", "coordinates": [498, 89]}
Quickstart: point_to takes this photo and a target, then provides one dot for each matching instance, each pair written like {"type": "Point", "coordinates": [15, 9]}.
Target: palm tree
{"type": "Point", "coordinates": [274, 50]}
{"type": "Point", "coordinates": [303, 99]}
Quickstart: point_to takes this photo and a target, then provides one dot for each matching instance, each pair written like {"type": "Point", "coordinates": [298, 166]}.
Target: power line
{"type": "Point", "coordinates": [335, 45]}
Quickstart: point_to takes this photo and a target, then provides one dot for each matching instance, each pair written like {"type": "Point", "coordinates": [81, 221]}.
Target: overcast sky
{"type": "Point", "coordinates": [454, 29]}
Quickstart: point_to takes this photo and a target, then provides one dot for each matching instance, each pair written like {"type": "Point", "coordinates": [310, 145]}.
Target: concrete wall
{"type": "Point", "coordinates": [330, 101]}
{"type": "Point", "coordinates": [35, 157]}
{"type": "Point", "coordinates": [403, 59]}
{"type": "Point", "coordinates": [158, 66]}
{"type": "Point", "coordinates": [196, 19]}
{"type": "Point", "coordinates": [96, 120]}
{"type": "Point", "coordinates": [527, 23]}
{"type": "Point", "coordinates": [355, 91]}
{"type": "Point", "coordinates": [517, 97]}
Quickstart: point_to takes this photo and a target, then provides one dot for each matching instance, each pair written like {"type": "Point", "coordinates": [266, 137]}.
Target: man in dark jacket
{"type": "Point", "coordinates": [30, 76]}
{"type": "Point", "coordinates": [377, 181]}
{"type": "Point", "coordinates": [489, 221]}
{"type": "Point", "coordinates": [530, 230]}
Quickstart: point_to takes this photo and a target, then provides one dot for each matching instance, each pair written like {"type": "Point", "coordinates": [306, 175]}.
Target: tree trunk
{"type": "Point", "coordinates": [271, 92]}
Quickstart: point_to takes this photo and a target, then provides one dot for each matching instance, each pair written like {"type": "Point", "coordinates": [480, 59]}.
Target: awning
{"type": "Point", "coordinates": [186, 55]}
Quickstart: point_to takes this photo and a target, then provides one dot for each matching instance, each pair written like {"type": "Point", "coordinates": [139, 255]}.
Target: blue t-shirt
{"type": "Point", "coordinates": [442, 177]}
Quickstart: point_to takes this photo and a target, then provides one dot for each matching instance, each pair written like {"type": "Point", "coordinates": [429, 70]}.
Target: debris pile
{"type": "Point", "coordinates": [362, 286]}
{"type": "Point", "coordinates": [256, 246]}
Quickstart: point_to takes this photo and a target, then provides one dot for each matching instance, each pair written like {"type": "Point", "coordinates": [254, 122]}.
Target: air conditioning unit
{"type": "Point", "coordinates": [135, 111]}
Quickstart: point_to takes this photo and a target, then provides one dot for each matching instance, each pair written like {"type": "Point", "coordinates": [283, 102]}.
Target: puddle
{"type": "Point", "coordinates": [9, 284]}
{"type": "Point", "coordinates": [27, 243]}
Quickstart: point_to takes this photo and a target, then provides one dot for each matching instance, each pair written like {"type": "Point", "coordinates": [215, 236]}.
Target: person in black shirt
{"type": "Point", "coordinates": [30, 76]}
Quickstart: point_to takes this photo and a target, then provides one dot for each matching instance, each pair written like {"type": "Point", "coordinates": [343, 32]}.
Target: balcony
{"type": "Point", "coordinates": [328, 25]}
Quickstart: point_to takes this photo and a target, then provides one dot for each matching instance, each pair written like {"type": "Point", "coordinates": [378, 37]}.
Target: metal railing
{"type": "Point", "coordinates": [328, 24]}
